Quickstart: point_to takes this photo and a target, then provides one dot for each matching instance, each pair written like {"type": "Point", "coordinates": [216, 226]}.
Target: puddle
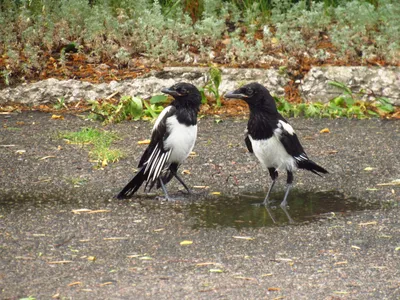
{"type": "Point", "coordinates": [240, 212]}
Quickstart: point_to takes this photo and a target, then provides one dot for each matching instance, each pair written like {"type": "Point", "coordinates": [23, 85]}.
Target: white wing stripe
{"type": "Point", "coordinates": [154, 162]}
{"type": "Point", "coordinates": [160, 164]}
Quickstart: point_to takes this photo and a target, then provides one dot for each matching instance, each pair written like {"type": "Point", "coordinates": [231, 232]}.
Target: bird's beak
{"type": "Point", "coordinates": [170, 92]}
{"type": "Point", "coordinates": [235, 95]}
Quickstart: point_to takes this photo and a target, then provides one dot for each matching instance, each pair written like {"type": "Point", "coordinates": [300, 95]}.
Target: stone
{"type": "Point", "coordinates": [314, 86]}
{"type": "Point", "coordinates": [374, 81]}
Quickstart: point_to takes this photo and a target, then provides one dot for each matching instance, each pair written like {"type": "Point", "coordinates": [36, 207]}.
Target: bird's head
{"type": "Point", "coordinates": [184, 94]}
{"type": "Point", "coordinates": [256, 96]}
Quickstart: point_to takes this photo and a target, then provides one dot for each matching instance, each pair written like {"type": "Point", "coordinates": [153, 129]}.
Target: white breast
{"type": "Point", "coordinates": [181, 140]}
{"type": "Point", "coordinates": [272, 154]}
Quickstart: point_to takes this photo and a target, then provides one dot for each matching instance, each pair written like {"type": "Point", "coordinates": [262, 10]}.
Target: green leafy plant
{"type": "Point", "coordinates": [99, 142]}
{"type": "Point", "coordinates": [60, 104]}
{"type": "Point", "coordinates": [127, 107]}
{"type": "Point", "coordinates": [212, 86]}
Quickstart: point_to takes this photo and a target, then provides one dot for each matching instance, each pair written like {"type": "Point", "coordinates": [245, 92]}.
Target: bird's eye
{"type": "Point", "coordinates": [249, 91]}
{"type": "Point", "coordinates": [182, 91]}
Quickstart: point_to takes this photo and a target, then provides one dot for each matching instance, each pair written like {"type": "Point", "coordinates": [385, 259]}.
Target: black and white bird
{"type": "Point", "coordinates": [172, 139]}
{"type": "Point", "coordinates": [272, 139]}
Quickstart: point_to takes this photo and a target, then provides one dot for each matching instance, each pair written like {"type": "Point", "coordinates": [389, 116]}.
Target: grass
{"type": "Point", "coordinates": [99, 142]}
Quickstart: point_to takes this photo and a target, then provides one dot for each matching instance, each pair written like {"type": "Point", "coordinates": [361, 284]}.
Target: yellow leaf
{"type": "Point", "coordinates": [91, 258]}
{"type": "Point", "coordinates": [144, 142]}
{"type": "Point", "coordinates": [216, 193]}
{"type": "Point", "coordinates": [104, 163]}
{"type": "Point", "coordinates": [183, 243]}
{"type": "Point", "coordinates": [369, 169]}
{"type": "Point", "coordinates": [274, 40]}
{"type": "Point", "coordinates": [216, 271]}
{"type": "Point", "coordinates": [57, 117]}
{"type": "Point", "coordinates": [249, 238]}
{"type": "Point", "coordinates": [325, 130]}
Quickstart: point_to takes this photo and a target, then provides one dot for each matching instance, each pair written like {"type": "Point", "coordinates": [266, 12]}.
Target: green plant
{"type": "Point", "coordinates": [60, 104]}
{"type": "Point", "coordinates": [99, 141]}
{"type": "Point", "coordinates": [127, 108]}
{"type": "Point", "coordinates": [212, 85]}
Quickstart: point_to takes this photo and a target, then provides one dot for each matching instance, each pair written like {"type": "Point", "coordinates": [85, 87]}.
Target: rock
{"type": "Point", "coordinates": [375, 81]}
{"type": "Point", "coordinates": [314, 87]}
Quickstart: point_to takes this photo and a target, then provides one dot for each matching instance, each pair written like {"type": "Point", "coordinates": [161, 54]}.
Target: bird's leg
{"type": "Point", "coordinates": [274, 175]}
{"type": "Point", "coordinates": [164, 190]}
{"type": "Point", "coordinates": [284, 201]}
{"type": "Point", "coordinates": [182, 182]}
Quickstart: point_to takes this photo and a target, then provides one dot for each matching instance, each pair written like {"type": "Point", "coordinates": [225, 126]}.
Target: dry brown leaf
{"type": "Point", "coordinates": [59, 262]}
{"type": "Point", "coordinates": [144, 142]}
{"type": "Point", "coordinates": [368, 223]}
{"type": "Point", "coordinates": [325, 130]}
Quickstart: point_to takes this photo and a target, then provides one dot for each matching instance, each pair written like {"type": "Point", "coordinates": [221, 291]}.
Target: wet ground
{"type": "Point", "coordinates": [62, 235]}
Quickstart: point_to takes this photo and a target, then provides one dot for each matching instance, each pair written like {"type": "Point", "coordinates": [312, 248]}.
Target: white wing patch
{"type": "Point", "coordinates": [161, 116]}
{"type": "Point", "coordinates": [286, 126]}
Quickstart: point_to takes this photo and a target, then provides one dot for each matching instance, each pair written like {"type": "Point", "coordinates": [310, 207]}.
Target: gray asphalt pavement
{"type": "Point", "coordinates": [63, 236]}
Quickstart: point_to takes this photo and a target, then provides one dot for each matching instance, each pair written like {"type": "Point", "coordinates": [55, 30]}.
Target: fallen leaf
{"type": "Point", "coordinates": [144, 142]}
{"type": "Point", "coordinates": [393, 182]}
{"type": "Point", "coordinates": [369, 169]}
{"type": "Point", "coordinates": [91, 258]}
{"type": "Point", "coordinates": [145, 258]}
{"type": "Point", "coordinates": [216, 271]}
{"type": "Point", "coordinates": [59, 147]}
{"type": "Point", "coordinates": [183, 243]}
{"type": "Point", "coordinates": [206, 264]}
{"type": "Point", "coordinates": [215, 193]}
{"type": "Point", "coordinates": [186, 172]}
{"type": "Point", "coordinates": [355, 247]}
{"type": "Point", "coordinates": [104, 163]}
{"type": "Point", "coordinates": [201, 187]}
{"type": "Point", "coordinates": [325, 130]}
{"type": "Point", "coordinates": [46, 157]}
{"type": "Point", "coordinates": [115, 238]}
{"type": "Point", "coordinates": [274, 289]}
{"type": "Point", "coordinates": [105, 283]}
{"type": "Point", "coordinates": [57, 117]}
{"type": "Point", "coordinates": [274, 40]}
{"type": "Point", "coordinates": [249, 238]}
{"type": "Point", "coordinates": [368, 223]}
{"type": "Point", "coordinates": [397, 249]}
{"type": "Point", "coordinates": [244, 278]}
{"type": "Point", "coordinates": [99, 211]}
{"type": "Point", "coordinates": [60, 262]}
{"type": "Point", "coordinates": [81, 210]}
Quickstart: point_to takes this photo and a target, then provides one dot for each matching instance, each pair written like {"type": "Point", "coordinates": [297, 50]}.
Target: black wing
{"type": "Point", "coordinates": [290, 141]}
{"type": "Point", "coordinates": [155, 156]}
{"type": "Point", "coordinates": [292, 145]}
{"type": "Point", "coordinates": [248, 142]}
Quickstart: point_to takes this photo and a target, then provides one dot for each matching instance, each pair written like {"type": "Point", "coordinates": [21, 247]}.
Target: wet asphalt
{"type": "Point", "coordinates": [63, 236]}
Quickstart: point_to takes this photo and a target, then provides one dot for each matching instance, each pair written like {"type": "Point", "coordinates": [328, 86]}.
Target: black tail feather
{"type": "Point", "coordinates": [312, 166]}
{"type": "Point", "coordinates": [133, 185]}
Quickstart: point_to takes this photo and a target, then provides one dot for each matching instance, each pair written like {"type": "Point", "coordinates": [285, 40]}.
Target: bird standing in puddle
{"type": "Point", "coordinates": [272, 139]}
